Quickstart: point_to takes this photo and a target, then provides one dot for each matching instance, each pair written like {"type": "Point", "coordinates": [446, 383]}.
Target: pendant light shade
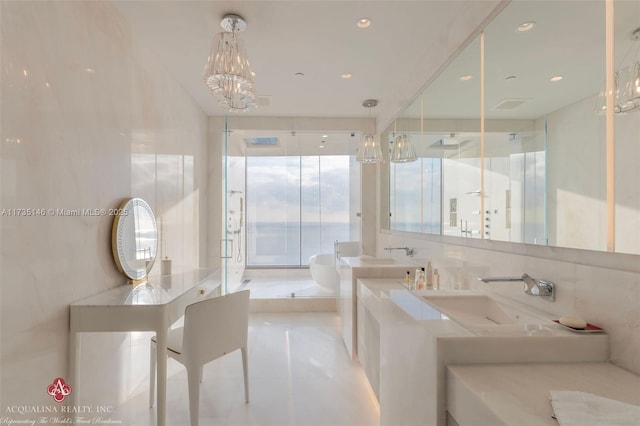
{"type": "Point", "coordinates": [404, 151]}
{"type": "Point", "coordinates": [369, 150]}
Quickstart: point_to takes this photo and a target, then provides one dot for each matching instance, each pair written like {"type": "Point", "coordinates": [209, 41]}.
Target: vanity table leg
{"type": "Point", "coordinates": [161, 381]}
{"type": "Point", "coordinates": [73, 367]}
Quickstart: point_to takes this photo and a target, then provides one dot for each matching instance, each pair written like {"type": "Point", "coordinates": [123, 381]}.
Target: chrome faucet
{"type": "Point", "coordinates": [408, 251]}
{"type": "Point", "coordinates": [532, 286]}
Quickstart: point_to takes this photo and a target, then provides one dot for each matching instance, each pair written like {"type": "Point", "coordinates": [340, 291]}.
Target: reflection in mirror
{"type": "Point", "coordinates": [514, 187]}
{"type": "Point", "coordinates": [429, 195]}
{"type": "Point", "coordinates": [406, 180]}
{"type": "Point", "coordinates": [541, 79]}
{"type": "Point", "coordinates": [135, 239]}
{"type": "Point", "coordinates": [627, 129]}
{"type": "Point", "coordinates": [542, 179]}
{"type": "Point", "coordinates": [461, 177]}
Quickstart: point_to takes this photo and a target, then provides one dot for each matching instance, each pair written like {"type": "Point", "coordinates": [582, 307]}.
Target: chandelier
{"type": "Point", "coordinates": [369, 150]}
{"type": "Point", "coordinates": [626, 93]}
{"type": "Point", "coordinates": [227, 72]}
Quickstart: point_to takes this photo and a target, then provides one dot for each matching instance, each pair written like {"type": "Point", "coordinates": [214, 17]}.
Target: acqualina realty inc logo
{"type": "Point", "coordinates": [59, 390]}
{"type": "Point", "coordinates": [57, 413]}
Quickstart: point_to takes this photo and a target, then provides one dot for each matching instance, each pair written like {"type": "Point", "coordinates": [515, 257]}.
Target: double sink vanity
{"type": "Point", "coordinates": [461, 357]}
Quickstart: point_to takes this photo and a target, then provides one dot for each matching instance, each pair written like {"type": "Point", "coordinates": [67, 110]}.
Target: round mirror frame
{"type": "Point", "coordinates": [119, 239]}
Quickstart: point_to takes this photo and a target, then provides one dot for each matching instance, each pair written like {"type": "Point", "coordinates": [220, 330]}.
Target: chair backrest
{"type": "Point", "coordinates": [215, 326]}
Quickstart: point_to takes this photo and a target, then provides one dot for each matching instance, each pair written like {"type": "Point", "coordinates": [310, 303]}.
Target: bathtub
{"type": "Point", "coordinates": [323, 270]}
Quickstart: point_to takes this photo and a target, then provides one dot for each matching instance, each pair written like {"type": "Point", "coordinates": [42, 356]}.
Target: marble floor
{"type": "Point", "coordinates": [299, 374]}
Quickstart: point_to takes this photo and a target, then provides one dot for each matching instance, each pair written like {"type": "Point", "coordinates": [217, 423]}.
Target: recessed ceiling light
{"type": "Point", "coordinates": [299, 75]}
{"type": "Point", "coordinates": [511, 77]}
{"type": "Point", "coordinates": [466, 77]}
{"type": "Point", "coordinates": [363, 23]}
{"type": "Point", "coordinates": [325, 136]}
{"type": "Point", "coordinates": [346, 75]}
{"type": "Point", "coordinates": [526, 26]}
{"type": "Point", "coordinates": [556, 78]}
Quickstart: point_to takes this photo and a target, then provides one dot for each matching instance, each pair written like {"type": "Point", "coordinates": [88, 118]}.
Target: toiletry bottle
{"type": "Point", "coordinates": [429, 277]}
{"type": "Point", "coordinates": [408, 281]}
{"type": "Point", "coordinates": [421, 280]}
{"type": "Point", "coordinates": [416, 279]}
{"type": "Point", "coordinates": [436, 279]}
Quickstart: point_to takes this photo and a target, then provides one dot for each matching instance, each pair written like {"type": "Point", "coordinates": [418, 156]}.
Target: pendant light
{"type": "Point", "coordinates": [369, 150]}
{"type": "Point", "coordinates": [404, 151]}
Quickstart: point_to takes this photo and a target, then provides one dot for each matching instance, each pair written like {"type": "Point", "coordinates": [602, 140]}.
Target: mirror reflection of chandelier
{"type": "Point", "coordinates": [627, 85]}
{"type": "Point", "coordinates": [227, 72]}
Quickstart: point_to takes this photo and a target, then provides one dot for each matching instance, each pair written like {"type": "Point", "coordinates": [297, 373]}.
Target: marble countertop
{"type": "Point", "coordinates": [519, 393]}
{"type": "Point", "coordinates": [156, 291]}
{"type": "Point", "coordinates": [377, 262]}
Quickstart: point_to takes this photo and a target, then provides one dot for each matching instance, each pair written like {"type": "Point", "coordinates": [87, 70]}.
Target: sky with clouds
{"type": "Point", "coordinates": [277, 187]}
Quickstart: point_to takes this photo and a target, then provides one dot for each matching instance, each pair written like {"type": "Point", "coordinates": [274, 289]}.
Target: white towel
{"type": "Point", "coordinates": [574, 408]}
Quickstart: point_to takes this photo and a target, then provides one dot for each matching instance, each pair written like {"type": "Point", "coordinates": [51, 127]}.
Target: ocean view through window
{"type": "Point", "coordinates": [297, 206]}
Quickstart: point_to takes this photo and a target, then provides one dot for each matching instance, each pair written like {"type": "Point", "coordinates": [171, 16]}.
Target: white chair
{"type": "Point", "coordinates": [212, 328]}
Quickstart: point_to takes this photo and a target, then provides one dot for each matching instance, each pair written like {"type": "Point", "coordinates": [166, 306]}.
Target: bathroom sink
{"type": "Point", "coordinates": [379, 260]}
{"type": "Point", "coordinates": [481, 310]}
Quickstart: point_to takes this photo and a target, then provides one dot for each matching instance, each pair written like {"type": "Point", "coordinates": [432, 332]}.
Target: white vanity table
{"type": "Point", "coordinates": [150, 306]}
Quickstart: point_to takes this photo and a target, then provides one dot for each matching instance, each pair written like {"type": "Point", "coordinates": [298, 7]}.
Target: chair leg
{"type": "Point", "coordinates": [152, 374]}
{"type": "Point", "coordinates": [245, 370]}
{"type": "Point", "coordinates": [193, 377]}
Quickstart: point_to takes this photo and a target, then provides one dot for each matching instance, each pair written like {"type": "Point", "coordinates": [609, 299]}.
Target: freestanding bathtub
{"type": "Point", "coordinates": [323, 270]}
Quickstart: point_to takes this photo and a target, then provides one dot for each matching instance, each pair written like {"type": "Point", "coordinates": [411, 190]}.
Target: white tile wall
{"type": "Point", "coordinates": [88, 119]}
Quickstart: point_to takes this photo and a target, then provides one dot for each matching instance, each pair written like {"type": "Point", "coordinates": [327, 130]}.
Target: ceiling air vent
{"type": "Point", "coordinates": [271, 141]}
{"type": "Point", "coordinates": [263, 101]}
{"type": "Point", "coordinates": [509, 103]}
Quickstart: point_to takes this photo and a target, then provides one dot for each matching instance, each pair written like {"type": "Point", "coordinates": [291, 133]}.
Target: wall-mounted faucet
{"type": "Point", "coordinates": [408, 251]}
{"type": "Point", "coordinates": [532, 286]}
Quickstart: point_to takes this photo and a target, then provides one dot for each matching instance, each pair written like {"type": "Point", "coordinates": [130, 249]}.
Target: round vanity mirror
{"type": "Point", "coordinates": [134, 239]}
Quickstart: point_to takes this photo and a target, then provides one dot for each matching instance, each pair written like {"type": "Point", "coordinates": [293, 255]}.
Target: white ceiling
{"type": "Point", "coordinates": [568, 40]}
{"type": "Point", "coordinates": [390, 61]}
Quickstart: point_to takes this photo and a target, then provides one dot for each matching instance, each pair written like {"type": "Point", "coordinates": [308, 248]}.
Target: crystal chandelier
{"type": "Point", "coordinates": [369, 150]}
{"type": "Point", "coordinates": [227, 72]}
{"type": "Point", "coordinates": [627, 85]}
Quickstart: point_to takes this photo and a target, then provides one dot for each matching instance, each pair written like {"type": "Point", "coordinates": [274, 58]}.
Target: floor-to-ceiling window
{"type": "Point", "coordinates": [288, 196]}
{"type": "Point", "coordinates": [296, 207]}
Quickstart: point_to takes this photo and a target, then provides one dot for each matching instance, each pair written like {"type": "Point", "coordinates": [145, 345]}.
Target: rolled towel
{"type": "Point", "coordinates": [575, 408]}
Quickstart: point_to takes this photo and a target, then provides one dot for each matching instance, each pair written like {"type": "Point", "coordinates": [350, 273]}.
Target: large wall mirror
{"type": "Point", "coordinates": [537, 173]}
